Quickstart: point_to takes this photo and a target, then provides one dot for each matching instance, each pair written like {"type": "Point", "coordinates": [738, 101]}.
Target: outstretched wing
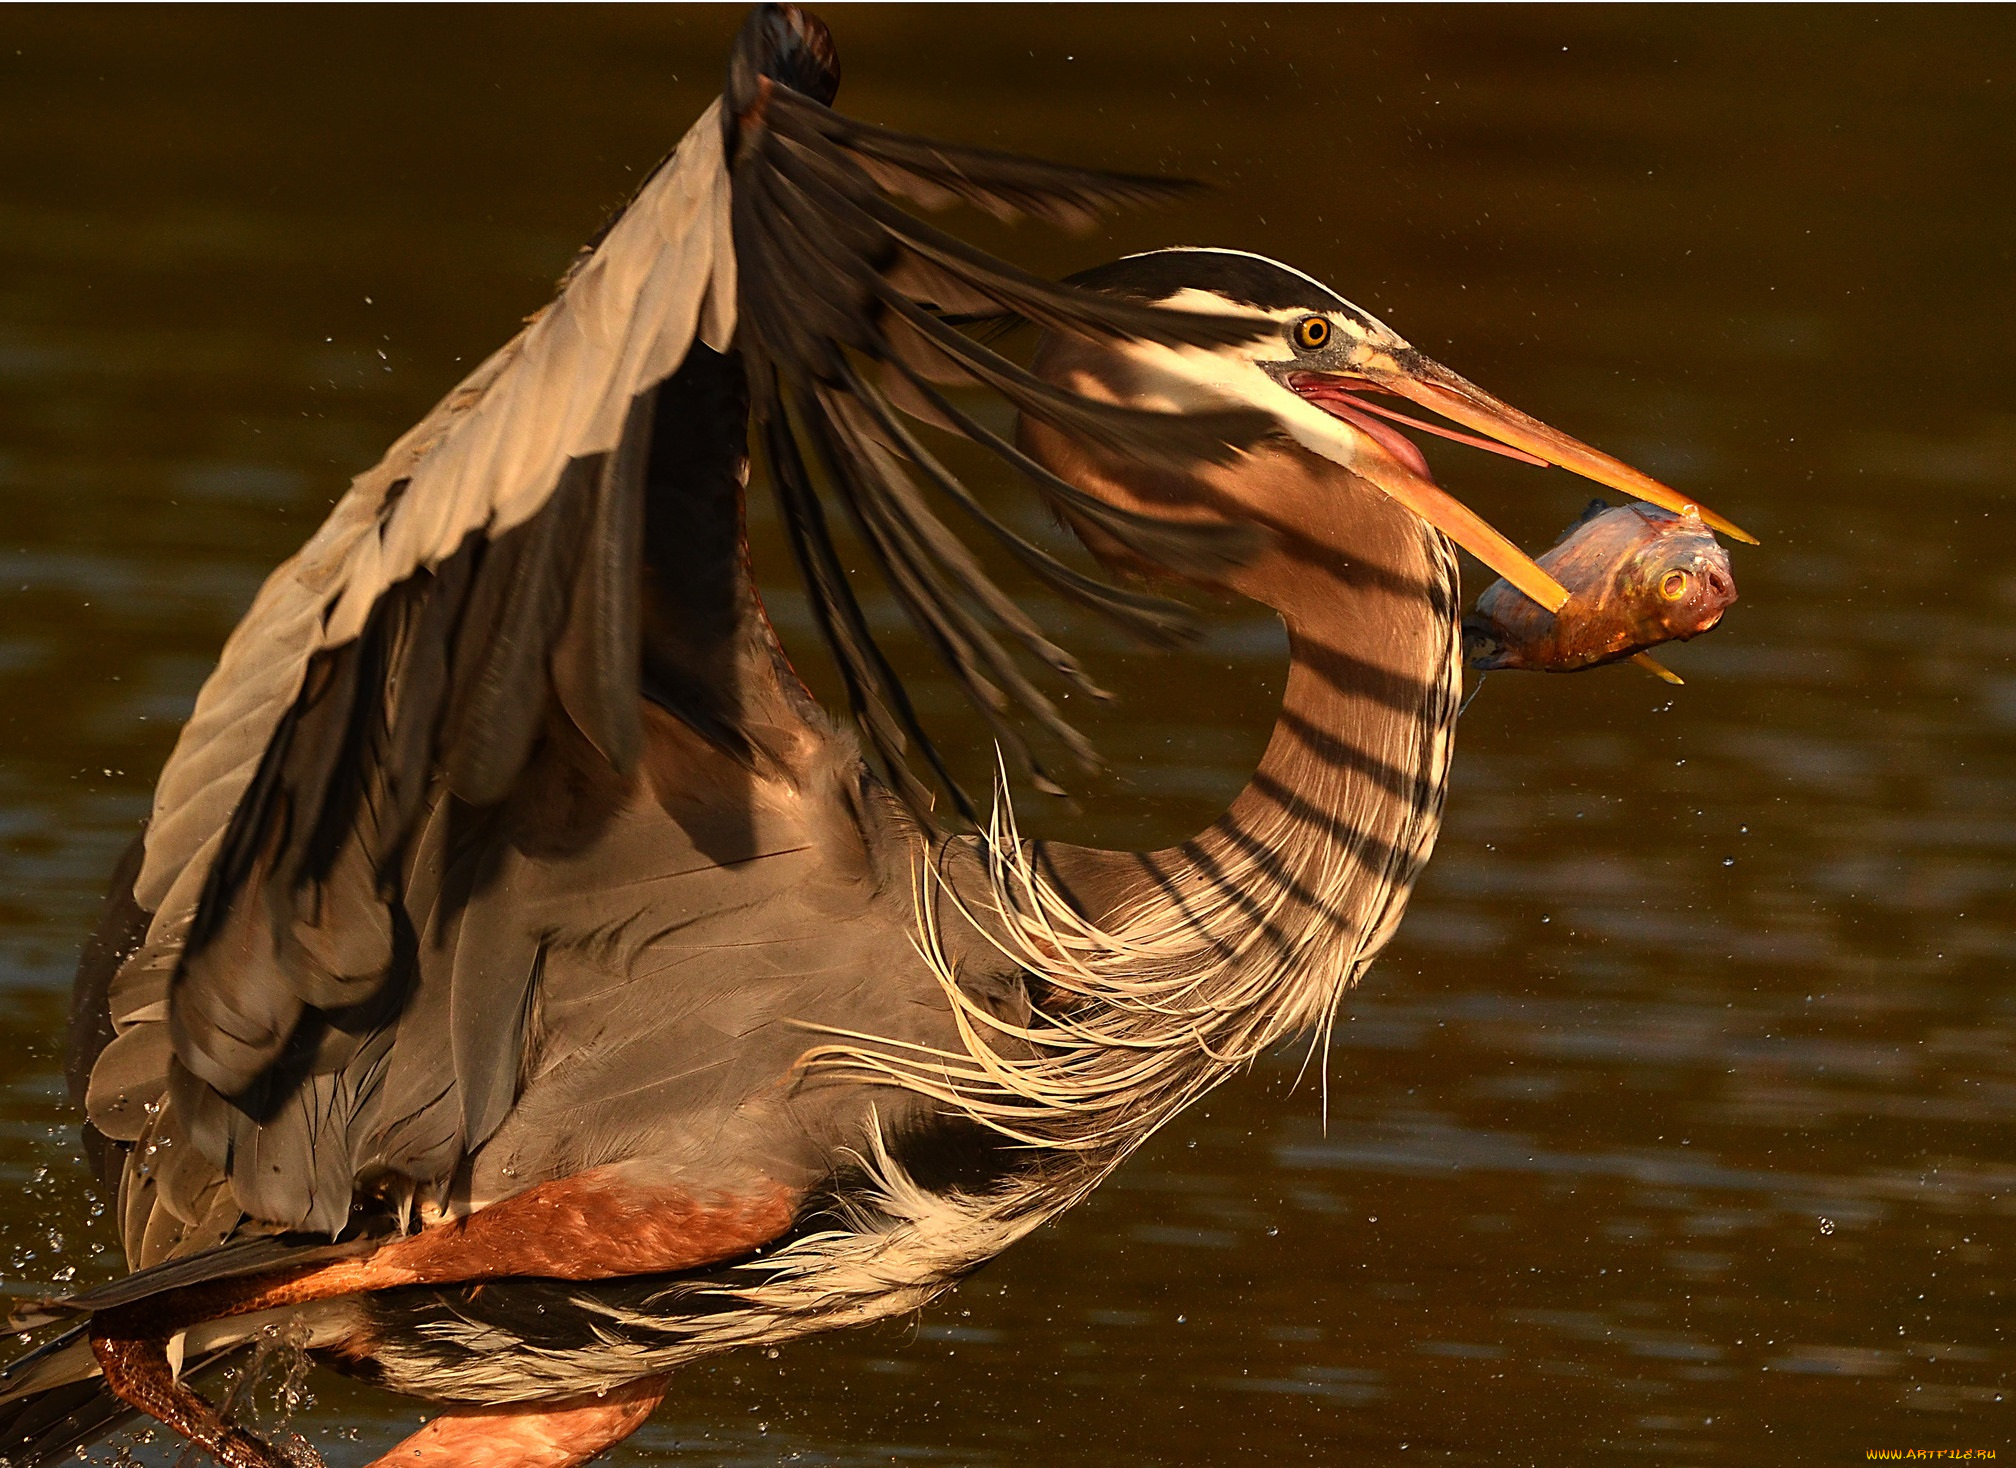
{"type": "Point", "coordinates": [555, 545]}
{"type": "Point", "coordinates": [488, 564]}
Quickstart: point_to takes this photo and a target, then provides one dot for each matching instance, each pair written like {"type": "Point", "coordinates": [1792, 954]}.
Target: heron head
{"type": "Point", "coordinates": [1329, 372]}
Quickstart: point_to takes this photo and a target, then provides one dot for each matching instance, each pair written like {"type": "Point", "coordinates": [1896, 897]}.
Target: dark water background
{"type": "Point", "coordinates": [1677, 1123]}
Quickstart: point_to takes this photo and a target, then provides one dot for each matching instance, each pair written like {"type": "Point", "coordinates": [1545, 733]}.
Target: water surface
{"type": "Point", "coordinates": [1677, 1122]}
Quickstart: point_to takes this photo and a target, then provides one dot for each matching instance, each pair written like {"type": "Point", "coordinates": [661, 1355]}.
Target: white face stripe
{"type": "Point", "coordinates": [1189, 379]}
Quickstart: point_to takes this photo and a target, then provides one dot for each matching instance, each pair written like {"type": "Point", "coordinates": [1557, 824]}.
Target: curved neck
{"type": "Point", "coordinates": [1311, 865]}
{"type": "Point", "coordinates": [1169, 968]}
{"type": "Point", "coordinates": [1301, 881]}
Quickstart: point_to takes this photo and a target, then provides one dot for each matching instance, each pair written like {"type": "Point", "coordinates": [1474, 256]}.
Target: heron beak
{"type": "Point", "coordinates": [1436, 388]}
{"type": "Point", "coordinates": [1504, 429]}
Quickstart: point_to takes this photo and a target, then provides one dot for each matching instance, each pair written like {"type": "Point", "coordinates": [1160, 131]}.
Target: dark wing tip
{"type": "Point", "coordinates": [935, 174]}
{"type": "Point", "coordinates": [786, 44]}
{"type": "Point", "coordinates": [834, 265]}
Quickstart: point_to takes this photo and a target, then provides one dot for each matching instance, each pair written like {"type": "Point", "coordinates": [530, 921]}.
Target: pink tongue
{"type": "Point", "coordinates": [1387, 436]}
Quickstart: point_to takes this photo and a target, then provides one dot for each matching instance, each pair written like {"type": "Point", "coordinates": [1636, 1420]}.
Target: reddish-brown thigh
{"type": "Point", "coordinates": [558, 1434]}
{"type": "Point", "coordinates": [595, 1225]}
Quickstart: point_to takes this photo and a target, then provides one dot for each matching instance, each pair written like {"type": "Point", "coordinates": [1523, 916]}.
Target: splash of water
{"type": "Point", "coordinates": [271, 1388]}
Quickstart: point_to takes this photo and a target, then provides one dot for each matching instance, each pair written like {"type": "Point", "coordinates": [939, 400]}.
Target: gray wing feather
{"type": "Point", "coordinates": [279, 1012]}
{"type": "Point", "coordinates": [487, 458]}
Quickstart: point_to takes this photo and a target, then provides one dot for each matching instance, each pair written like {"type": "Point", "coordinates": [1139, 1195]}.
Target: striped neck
{"type": "Point", "coordinates": [1158, 973]}
{"type": "Point", "coordinates": [1305, 876]}
{"type": "Point", "coordinates": [1161, 972]}
{"type": "Point", "coordinates": [1318, 853]}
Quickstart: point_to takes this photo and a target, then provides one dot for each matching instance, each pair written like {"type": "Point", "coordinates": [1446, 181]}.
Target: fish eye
{"type": "Point", "coordinates": [1312, 333]}
{"type": "Point", "coordinates": [1673, 585]}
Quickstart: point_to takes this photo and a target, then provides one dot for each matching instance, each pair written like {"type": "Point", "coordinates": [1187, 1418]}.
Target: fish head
{"type": "Point", "coordinates": [1637, 576]}
{"type": "Point", "coordinates": [1670, 576]}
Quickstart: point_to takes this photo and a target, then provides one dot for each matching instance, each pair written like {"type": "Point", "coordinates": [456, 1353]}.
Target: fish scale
{"type": "Point", "coordinates": [1637, 576]}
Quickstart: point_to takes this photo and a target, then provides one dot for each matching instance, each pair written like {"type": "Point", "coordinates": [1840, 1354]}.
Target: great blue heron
{"type": "Point", "coordinates": [524, 987]}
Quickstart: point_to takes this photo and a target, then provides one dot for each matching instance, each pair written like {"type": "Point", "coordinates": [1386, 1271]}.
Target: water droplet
{"type": "Point", "coordinates": [1728, 861]}
{"type": "Point", "coordinates": [1826, 1225]}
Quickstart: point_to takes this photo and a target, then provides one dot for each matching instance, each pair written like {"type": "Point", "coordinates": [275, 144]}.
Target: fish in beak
{"type": "Point", "coordinates": [1639, 576]}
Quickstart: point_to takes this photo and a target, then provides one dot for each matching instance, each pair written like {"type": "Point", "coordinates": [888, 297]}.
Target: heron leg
{"type": "Point", "coordinates": [137, 1373]}
{"type": "Point", "coordinates": [558, 1434]}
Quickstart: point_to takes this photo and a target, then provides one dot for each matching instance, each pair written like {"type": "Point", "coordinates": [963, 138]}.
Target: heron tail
{"type": "Point", "coordinates": [55, 1403]}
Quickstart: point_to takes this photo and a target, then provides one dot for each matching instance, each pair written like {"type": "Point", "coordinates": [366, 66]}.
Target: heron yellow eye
{"type": "Point", "coordinates": [1311, 332]}
{"type": "Point", "coordinates": [1673, 585]}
